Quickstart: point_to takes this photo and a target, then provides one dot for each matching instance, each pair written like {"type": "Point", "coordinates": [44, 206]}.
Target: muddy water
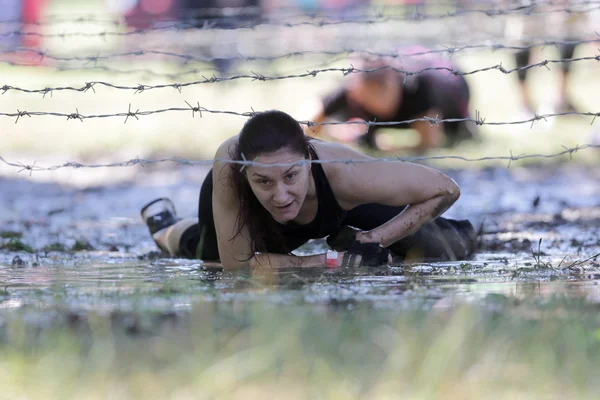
{"type": "Point", "coordinates": [87, 249]}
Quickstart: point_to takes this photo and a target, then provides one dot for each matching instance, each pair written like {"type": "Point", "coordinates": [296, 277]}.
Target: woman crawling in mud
{"type": "Point", "coordinates": [256, 215]}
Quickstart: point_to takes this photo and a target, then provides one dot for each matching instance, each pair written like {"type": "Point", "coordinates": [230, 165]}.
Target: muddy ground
{"type": "Point", "coordinates": [82, 249]}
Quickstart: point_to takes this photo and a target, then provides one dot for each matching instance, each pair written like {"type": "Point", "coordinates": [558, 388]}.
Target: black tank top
{"type": "Point", "coordinates": [329, 213]}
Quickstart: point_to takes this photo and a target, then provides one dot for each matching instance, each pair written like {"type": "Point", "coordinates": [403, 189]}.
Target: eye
{"type": "Point", "coordinates": [263, 181]}
{"type": "Point", "coordinates": [291, 176]}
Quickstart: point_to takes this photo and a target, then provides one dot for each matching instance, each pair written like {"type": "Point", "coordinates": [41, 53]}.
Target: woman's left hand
{"type": "Point", "coordinates": [345, 237]}
{"type": "Point", "coordinates": [358, 252]}
{"type": "Point", "coordinates": [366, 255]}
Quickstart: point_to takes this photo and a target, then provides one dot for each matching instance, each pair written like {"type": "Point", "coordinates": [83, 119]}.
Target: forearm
{"type": "Point", "coordinates": [273, 260]}
{"type": "Point", "coordinates": [409, 220]}
{"type": "Point", "coordinates": [430, 134]}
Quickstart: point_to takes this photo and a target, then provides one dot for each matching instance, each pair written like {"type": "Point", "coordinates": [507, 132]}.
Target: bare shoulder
{"type": "Point", "coordinates": [223, 186]}
{"type": "Point", "coordinates": [361, 179]}
{"type": "Point", "coordinates": [344, 170]}
{"type": "Point", "coordinates": [338, 160]}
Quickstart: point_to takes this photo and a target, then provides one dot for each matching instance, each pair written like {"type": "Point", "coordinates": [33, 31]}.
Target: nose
{"type": "Point", "coordinates": [280, 195]}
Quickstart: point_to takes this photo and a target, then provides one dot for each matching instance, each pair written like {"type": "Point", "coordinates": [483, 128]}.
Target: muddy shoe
{"type": "Point", "coordinates": [159, 214]}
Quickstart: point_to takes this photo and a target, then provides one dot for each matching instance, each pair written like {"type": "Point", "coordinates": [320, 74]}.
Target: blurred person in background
{"type": "Point", "coordinates": [221, 14]}
{"type": "Point", "coordinates": [341, 9]}
{"type": "Point", "coordinates": [21, 16]}
{"type": "Point", "coordinates": [194, 14]}
{"type": "Point", "coordinates": [32, 13]}
{"type": "Point", "coordinates": [562, 101]}
{"type": "Point", "coordinates": [385, 95]}
{"type": "Point", "coordinates": [10, 16]}
{"type": "Point", "coordinates": [143, 14]}
{"type": "Point", "coordinates": [565, 28]}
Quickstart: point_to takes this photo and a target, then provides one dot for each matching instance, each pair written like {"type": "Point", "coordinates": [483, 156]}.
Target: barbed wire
{"type": "Point", "coordinates": [116, 71]}
{"type": "Point", "coordinates": [182, 161]}
{"type": "Point", "coordinates": [478, 120]}
{"type": "Point", "coordinates": [254, 76]}
{"type": "Point", "coordinates": [348, 51]}
{"type": "Point", "coordinates": [325, 19]}
{"type": "Point", "coordinates": [337, 55]}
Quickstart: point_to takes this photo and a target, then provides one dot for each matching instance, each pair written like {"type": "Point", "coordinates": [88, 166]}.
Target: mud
{"type": "Point", "coordinates": [80, 250]}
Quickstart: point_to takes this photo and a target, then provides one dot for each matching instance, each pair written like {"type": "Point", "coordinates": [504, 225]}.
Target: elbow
{"type": "Point", "coordinates": [452, 192]}
{"type": "Point", "coordinates": [253, 263]}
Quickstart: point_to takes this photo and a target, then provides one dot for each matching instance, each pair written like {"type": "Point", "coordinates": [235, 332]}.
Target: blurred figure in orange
{"type": "Point", "coordinates": [385, 95]}
{"type": "Point", "coordinates": [32, 13]}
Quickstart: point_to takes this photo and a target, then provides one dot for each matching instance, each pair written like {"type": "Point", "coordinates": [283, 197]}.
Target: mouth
{"type": "Point", "coordinates": [285, 207]}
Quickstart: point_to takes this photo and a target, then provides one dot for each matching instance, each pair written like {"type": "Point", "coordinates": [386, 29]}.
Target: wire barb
{"type": "Point", "coordinates": [131, 114]}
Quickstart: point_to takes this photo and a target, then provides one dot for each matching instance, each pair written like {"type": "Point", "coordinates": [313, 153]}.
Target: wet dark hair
{"type": "Point", "coordinates": [381, 70]}
{"type": "Point", "coordinates": [264, 132]}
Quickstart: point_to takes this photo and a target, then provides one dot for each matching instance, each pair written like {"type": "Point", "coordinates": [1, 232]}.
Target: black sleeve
{"type": "Point", "coordinates": [335, 102]}
{"type": "Point", "coordinates": [416, 98]}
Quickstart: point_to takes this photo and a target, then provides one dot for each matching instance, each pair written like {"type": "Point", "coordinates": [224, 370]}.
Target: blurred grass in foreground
{"type": "Point", "coordinates": [501, 348]}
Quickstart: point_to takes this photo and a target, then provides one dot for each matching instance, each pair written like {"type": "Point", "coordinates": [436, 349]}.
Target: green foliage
{"type": "Point", "coordinates": [82, 245]}
{"type": "Point", "coordinates": [11, 235]}
{"type": "Point", "coordinates": [56, 246]}
{"type": "Point", "coordinates": [15, 244]}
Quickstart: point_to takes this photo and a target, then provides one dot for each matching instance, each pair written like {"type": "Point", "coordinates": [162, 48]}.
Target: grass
{"type": "Point", "coordinates": [11, 235]}
{"type": "Point", "coordinates": [502, 348]}
{"type": "Point", "coordinates": [56, 246]}
{"type": "Point", "coordinates": [15, 244]}
{"type": "Point", "coordinates": [82, 245]}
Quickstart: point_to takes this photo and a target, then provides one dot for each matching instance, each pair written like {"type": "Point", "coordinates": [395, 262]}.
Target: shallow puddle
{"type": "Point", "coordinates": [87, 249]}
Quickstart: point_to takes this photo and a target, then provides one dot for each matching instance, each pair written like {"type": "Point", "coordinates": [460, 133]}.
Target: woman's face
{"type": "Point", "coordinates": [280, 189]}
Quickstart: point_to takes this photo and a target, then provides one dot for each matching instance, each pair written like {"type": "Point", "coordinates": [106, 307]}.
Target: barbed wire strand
{"type": "Point", "coordinates": [182, 161]}
{"type": "Point", "coordinates": [450, 50]}
{"type": "Point", "coordinates": [254, 76]}
{"type": "Point", "coordinates": [478, 120]}
{"type": "Point", "coordinates": [340, 53]}
{"type": "Point", "coordinates": [324, 20]}
{"type": "Point", "coordinates": [209, 26]}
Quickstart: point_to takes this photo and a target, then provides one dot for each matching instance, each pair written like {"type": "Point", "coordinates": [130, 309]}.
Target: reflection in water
{"type": "Point", "coordinates": [167, 284]}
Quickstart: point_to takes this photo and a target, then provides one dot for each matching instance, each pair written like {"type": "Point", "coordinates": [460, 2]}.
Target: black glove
{"type": "Point", "coordinates": [371, 254]}
{"type": "Point", "coordinates": [343, 238]}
